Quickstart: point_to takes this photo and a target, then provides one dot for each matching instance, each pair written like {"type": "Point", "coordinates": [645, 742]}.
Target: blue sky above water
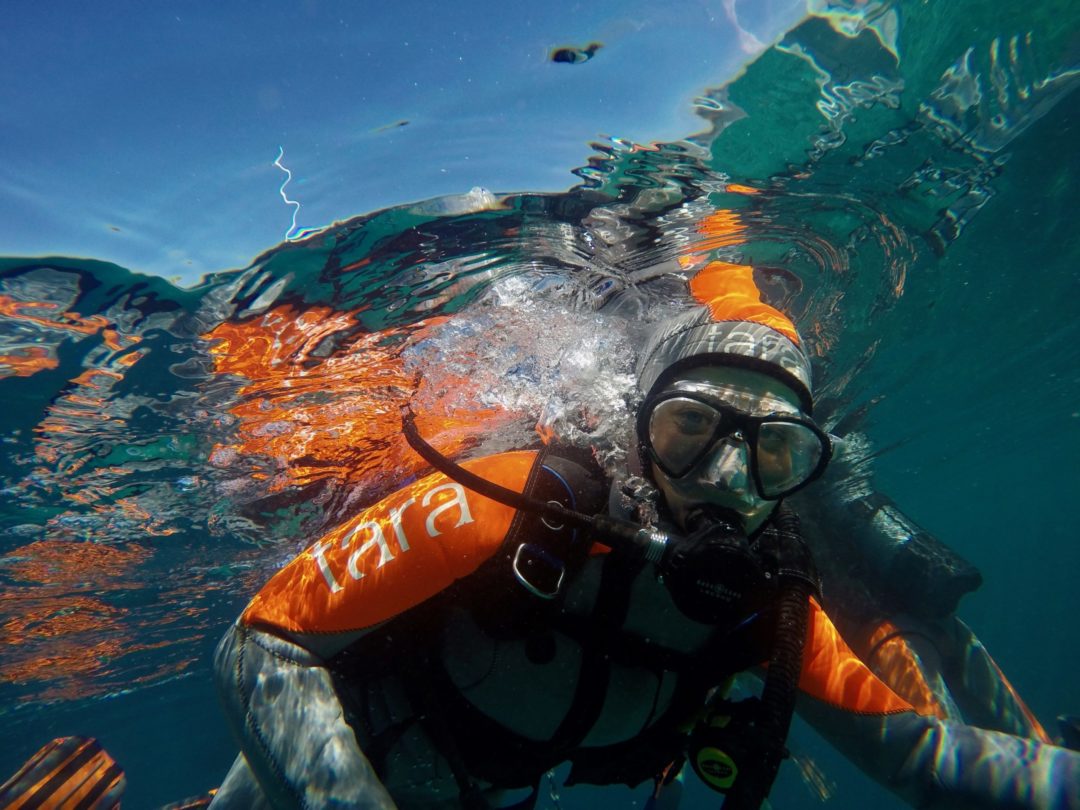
{"type": "Point", "coordinates": [145, 133]}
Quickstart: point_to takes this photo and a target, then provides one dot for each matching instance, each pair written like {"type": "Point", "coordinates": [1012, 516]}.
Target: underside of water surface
{"type": "Point", "coordinates": [901, 178]}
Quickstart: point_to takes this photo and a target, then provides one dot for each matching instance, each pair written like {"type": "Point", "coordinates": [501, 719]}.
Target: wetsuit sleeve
{"type": "Point", "coordinates": [928, 761]}
{"type": "Point", "coordinates": [280, 697]}
{"type": "Point", "coordinates": [393, 555]}
{"type": "Point", "coordinates": [943, 669]}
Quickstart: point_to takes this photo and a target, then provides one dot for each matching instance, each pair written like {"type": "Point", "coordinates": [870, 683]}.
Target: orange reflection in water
{"type": "Point", "coordinates": [26, 361]}
{"type": "Point", "coordinates": [46, 316]}
{"type": "Point", "coordinates": [336, 416]}
{"type": "Point", "coordinates": [720, 229]}
{"type": "Point", "coordinates": [58, 630]}
{"type": "Point", "coordinates": [67, 321]}
{"type": "Point", "coordinates": [58, 563]}
{"type": "Point", "coordinates": [723, 228]}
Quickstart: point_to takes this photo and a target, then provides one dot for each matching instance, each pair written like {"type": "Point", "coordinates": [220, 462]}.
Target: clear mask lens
{"type": "Point", "coordinates": [787, 454]}
{"type": "Point", "coordinates": [680, 431]}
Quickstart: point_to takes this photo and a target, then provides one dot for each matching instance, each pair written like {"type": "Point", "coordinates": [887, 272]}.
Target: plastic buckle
{"type": "Point", "coordinates": [531, 557]}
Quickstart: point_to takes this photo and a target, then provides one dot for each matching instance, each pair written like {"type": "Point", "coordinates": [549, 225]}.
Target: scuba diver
{"type": "Point", "coordinates": [452, 643]}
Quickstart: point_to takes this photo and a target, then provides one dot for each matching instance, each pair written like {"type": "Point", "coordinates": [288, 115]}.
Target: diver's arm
{"type": "Point", "coordinates": [390, 557]}
{"type": "Point", "coordinates": [297, 751]}
{"type": "Point", "coordinates": [893, 587]}
{"type": "Point", "coordinates": [927, 761]}
{"type": "Point", "coordinates": [280, 698]}
{"type": "Point", "coordinates": [943, 669]}
{"type": "Point", "coordinates": [982, 691]}
{"type": "Point", "coordinates": [942, 764]}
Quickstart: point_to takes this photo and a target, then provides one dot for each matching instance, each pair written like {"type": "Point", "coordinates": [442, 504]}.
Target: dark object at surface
{"type": "Point", "coordinates": [574, 56]}
{"type": "Point", "coordinates": [404, 122]}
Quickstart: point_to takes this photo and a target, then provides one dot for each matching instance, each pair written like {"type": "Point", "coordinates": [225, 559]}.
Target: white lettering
{"type": "Point", "coordinates": [395, 521]}
{"type": "Point", "coordinates": [377, 539]}
{"type": "Point", "coordinates": [318, 551]}
{"type": "Point", "coordinates": [378, 536]}
{"type": "Point", "coordinates": [458, 500]}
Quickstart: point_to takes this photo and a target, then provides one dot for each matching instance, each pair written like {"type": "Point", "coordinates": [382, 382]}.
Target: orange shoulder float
{"type": "Point", "coordinates": [731, 294]}
{"type": "Point", "coordinates": [832, 673]}
{"type": "Point", "coordinates": [393, 555]}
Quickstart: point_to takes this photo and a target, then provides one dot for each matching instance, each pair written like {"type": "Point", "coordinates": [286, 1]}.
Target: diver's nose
{"type": "Point", "coordinates": [728, 467]}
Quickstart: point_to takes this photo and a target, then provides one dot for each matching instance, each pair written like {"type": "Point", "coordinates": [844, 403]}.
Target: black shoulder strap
{"type": "Point", "coordinates": [608, 616]}
{"type": "Point", "coordinates": [538, 552]}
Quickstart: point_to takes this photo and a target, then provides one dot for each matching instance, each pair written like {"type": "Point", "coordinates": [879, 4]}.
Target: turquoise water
{"type": "Point", "coordinates": [916, 173]}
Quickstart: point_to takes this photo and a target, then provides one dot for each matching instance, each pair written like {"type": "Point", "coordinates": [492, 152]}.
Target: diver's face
{"type": "Point", "coordinates": [703, 466]}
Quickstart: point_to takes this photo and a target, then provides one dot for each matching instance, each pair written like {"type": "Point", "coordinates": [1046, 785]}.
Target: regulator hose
{"type": "Point", "coordinates": [785, 665]}
{"type": "Point", "coordinates": [618, 531]}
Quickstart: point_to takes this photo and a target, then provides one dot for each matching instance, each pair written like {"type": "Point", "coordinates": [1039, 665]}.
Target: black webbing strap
{"type": "Point", "coordinates": [435, 721]}
{"type": "Point", "coordinates": [608, 617]}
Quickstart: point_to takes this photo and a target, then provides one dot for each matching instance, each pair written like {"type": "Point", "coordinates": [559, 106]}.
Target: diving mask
{"type": "Point", "coordinates": [691, 423]}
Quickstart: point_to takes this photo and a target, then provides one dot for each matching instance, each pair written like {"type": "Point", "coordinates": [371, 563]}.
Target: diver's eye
{"type": "Point", "coordinates": [772, 442]}
{"type": "Point", "coordinates": [693, 420]}
{"type": "Point", "coordinates": [679, 431]}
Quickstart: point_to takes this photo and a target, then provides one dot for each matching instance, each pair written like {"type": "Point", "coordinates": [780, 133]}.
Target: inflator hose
{"type": "Point", "coordinates": [781, 681]}
{"type": "Point", "coordinates": [610, 528]}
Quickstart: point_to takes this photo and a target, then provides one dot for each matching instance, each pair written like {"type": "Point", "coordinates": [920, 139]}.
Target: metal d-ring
{"type": "Point", "coordinates": [528, 585]}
